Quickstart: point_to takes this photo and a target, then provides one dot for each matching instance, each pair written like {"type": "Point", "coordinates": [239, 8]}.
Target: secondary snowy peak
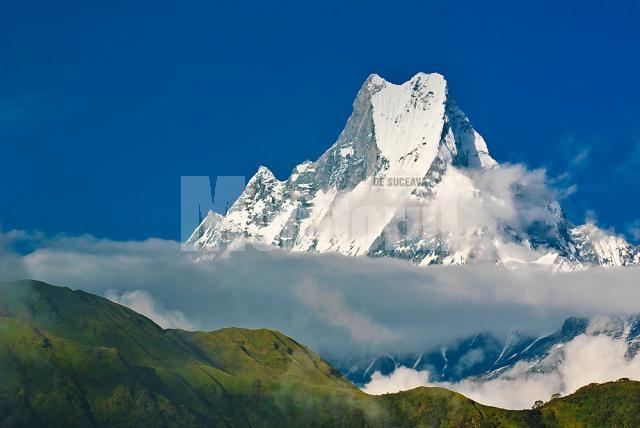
{"type": "Point", "coordinates": [595, 246]}
{"type": "Point", "coordinates": [204, 233]}
{"type": "Point", "coordinates": [407, 177]}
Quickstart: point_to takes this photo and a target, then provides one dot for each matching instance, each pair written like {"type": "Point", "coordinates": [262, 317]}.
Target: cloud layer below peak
{"type": "Point", "coordinates": [343, 307]}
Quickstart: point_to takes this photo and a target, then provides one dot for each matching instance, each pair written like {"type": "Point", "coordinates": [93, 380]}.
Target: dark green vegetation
{"type": "Point", "coordinates": [69, 358]}
{"type": "Point", "coordinates": [612, 404]}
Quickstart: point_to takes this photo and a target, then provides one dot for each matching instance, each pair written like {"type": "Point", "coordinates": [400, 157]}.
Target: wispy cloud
{"type": "Point", "coordinates": [144, 303]}
{"type": "Point", "coordinates": [631, 163]}
{"type": "Point", "coordinates": [634, 230]}
{"type": "Point", "coordinates": [576, 152]}
{"type": "Point", "coordinates": [581, 157]}
{"type": "Point", "coordinates": [331, 306]}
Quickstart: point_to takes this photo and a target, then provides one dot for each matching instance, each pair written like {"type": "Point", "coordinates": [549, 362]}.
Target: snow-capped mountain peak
{"type": "Point", "coordinates": [407, 177]}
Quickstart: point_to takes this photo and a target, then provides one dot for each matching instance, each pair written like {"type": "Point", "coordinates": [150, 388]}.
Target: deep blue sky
{"type": "Point", "coordinates": [105, 105]}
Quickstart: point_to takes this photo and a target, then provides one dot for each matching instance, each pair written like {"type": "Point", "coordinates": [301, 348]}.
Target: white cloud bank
{"type": "Point", "coordinates": [583, 360]}
{"type": "Point", "coordinates": [342, 307]}
{"type": "Point", "coordinates": [401, 379]}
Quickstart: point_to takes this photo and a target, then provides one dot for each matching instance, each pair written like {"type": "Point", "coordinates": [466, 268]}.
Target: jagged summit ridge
{"type": "Point", "coordinates": [404, 149]}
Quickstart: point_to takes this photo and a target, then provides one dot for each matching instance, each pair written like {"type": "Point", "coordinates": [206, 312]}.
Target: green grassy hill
{"type": "Point", "coordinates": [69, 358]}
